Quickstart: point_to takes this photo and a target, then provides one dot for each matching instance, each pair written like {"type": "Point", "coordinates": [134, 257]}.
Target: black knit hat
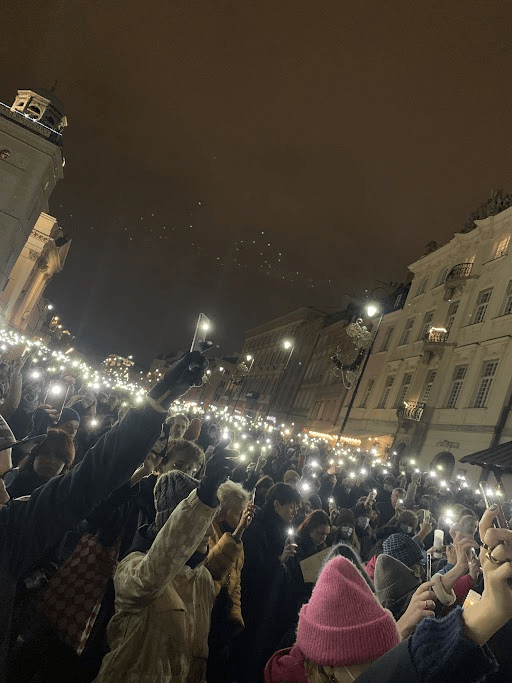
{"type": "Point", "coordinates": [403, 548]}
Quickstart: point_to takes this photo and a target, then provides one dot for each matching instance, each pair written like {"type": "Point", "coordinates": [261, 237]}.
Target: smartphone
{"type": "Point", "coordinates": [203, 326]}
{"type": "Point", "coordinates": [56, 395]}
{"type": "Point", "coordinates": [500, 519]}
{"type": "Point", "coordinates": [426, 517]}
{"type": "Point", "coordinates": [429, 567]}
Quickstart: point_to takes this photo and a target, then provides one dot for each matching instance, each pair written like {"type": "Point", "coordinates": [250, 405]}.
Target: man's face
{"type": "Point", "coordinates": [70, 427]}
{"type": "Point", "coordinates": [178, 429]}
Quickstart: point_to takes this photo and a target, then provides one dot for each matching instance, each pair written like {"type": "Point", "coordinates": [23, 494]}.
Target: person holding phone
{"type": "Point", "coordinates": [29, 529]}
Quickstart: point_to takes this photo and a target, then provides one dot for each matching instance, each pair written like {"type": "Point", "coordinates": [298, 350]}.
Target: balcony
{"type": "Point", "coordinates": [437, 335]}
{"type": "Point", "coordinates": [456, 279]}
{"type": "Point", "coordinates": [459, 272]}
{"type": "Point", "coordinates": [411, 410]}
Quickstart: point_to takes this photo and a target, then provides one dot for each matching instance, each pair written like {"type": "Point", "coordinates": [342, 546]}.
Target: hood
{"type": "Point", "coordinates": [286, 665]}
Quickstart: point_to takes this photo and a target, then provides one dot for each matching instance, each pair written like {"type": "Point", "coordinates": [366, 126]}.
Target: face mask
{"type": "Point", "coordinates": [362, 522]}
{"type": "Point", "coordinates": [347, 489]}
{"type": "Point", "coordinates": [405, 529]}
{"type": "Point", "coordinates": [481, 504]}
{"type": "Point", "coordinates": [346, 531]}
{"type": "Point", "coordinates": [388, 488]}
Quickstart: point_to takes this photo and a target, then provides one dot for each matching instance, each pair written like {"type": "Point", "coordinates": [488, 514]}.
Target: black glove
{"type": "Point", "coordinates": [187, 372]}
{"type": "Point", "coordinates": [218, 468]}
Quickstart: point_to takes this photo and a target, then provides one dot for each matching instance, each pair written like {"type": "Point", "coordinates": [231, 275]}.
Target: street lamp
{"type": "Point", "coordinates": [288, 345]}
{"type": "Point", "coordinates": [371, 311]}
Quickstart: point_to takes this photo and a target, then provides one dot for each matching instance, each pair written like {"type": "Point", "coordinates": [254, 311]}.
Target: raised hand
{"type": "Point", "coordinates": [421, 605]}
{"type": "Point", "coordinates": [217, 470]}
{"type": "Point", "coordinates": [186, 373]}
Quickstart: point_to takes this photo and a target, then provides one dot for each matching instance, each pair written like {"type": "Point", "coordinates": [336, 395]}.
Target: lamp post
{"type": "Point", "coordinates": [371, 310]}
{"type": "Point", "coordinates": [287, 345]}
{"type": "Point", "coordinates": [243, 367]}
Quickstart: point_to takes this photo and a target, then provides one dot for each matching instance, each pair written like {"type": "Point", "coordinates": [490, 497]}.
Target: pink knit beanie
{"type": "Point", "coordinates": [344, 623]}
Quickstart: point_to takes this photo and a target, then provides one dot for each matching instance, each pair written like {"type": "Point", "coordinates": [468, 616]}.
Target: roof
{"type": "Point", "coordinates": [51, 96]}
{"type": "Point", "coordinates": [495, 457]}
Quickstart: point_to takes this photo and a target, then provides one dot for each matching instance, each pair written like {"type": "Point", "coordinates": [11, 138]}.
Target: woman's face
{"type": "Point", "coordinates": [47, 465]}
{"type": "Point", "coordinates": [287, 511]}
{"type": "Point", "coordinates": [179, 460]}
{"type": "Point", "coordinates": [234, 512]}
{"type": "Point", "coordinates": [319, 534]}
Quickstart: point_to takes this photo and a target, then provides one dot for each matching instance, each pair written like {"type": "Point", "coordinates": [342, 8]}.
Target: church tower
{"type": "Point", "coordinates": [31, 163]}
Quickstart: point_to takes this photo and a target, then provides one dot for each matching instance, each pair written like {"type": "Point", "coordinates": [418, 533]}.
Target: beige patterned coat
{"type": "Point", "coordinates": [159, 632]}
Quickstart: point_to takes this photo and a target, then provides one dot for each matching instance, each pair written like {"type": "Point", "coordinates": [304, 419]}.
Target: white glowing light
{"type": "Point", "coordinates": [371, 310]}
{"type": "Point", "coordinates": [56, 390]}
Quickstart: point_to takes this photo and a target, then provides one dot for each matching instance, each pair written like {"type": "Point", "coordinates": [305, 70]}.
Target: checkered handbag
{"type": "Point", "coordinates": [74, 595]}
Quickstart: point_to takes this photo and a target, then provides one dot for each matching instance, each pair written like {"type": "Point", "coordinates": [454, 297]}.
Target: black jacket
{"type": "Point", "coordinates": [28, 530]}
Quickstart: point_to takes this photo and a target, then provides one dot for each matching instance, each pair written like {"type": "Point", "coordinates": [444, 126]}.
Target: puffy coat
{"type": "Point", "coordinates": [159, 632]}
{"type": "Point", "coordinates": [233, 553]}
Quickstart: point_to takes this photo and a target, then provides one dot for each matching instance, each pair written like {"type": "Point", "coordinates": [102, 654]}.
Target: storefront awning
{"type": "Point", "coordinates": [495, 457]}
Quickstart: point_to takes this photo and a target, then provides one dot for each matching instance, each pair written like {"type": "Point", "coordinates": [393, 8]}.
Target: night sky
{"type": "Point", "coordinates": [246, 158]}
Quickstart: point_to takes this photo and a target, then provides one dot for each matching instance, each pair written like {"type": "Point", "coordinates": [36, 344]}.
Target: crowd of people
{"type": "Point", "coordinates": [145, 544]}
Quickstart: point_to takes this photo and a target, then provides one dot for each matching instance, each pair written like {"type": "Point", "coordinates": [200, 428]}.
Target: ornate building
{"type": "Point", "coordinates": [31, 163]}
{"type": "Point", "coordinates": [43, 255]}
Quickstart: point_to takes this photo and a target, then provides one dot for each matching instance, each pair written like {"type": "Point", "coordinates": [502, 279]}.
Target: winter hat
{"type": "Point", "coordinates": [345, 516]}
{"type": "Point", "coordinates": [68, 414]}
{"type": "Point", "coordinates": [403, 548]}
{"type": "Point", "coordinates": [290, 474]}
{"type": "Point", "coordinates": [170, 489]}
{"type": "Point", "coordinates": [344, 623]}
{"type": "Point", "coordinates": [193, 430]}
{"type": "Point", "coordinates": [393, 581]}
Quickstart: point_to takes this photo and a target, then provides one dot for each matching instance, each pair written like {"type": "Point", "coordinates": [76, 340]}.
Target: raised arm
{"type": "Point", "coordinates": [33, 527]}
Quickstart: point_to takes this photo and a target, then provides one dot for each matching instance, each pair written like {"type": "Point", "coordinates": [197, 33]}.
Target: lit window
{"type": "Point", "coordinates": [459, 375]}
{"type": "Point", "coordinates": [501, 247]}
{"type": "Point", "coordinates": [488, 372]}
{"type": "Point", "coordinates": [482, 302]}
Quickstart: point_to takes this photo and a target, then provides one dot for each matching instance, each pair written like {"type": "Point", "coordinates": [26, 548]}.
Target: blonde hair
{"type": "Point", "coordinates": [315, 673]}
{"type": "Point", "coordinates": [229, 490]}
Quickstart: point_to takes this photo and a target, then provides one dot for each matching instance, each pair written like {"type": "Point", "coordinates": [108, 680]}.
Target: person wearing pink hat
{"type": "Point", "coordinates": [345, 635]}
{"type": "Point", "coordinates": [343, 627]}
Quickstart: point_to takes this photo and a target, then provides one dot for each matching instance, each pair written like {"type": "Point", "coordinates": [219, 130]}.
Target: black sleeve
{"type": "Point", "coordinates": [35, 526]}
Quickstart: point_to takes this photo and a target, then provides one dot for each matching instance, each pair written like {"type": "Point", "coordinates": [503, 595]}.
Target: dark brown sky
{"type": "Point", "coordinates": [350, 133]}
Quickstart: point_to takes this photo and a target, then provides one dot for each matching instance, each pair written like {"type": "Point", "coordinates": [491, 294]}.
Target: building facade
{"type": "Point", "coordinates": [43, 255]}
{"type": "Point", "coordinates": [276, 355]}
{"type": "Point", "coordinates": [31, 163]}
{"type": "Point", "coordinates": [444, 387]}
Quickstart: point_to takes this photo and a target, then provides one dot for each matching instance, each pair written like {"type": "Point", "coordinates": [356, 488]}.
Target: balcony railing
{"type": "Point", "coordinates": [459, 272]}
{"type": "Point", "coordinates": [437, 335]}
{"type": "Point", "coordinates": [411, 410]}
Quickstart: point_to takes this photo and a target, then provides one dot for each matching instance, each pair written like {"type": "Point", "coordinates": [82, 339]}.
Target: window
{"type": "Point", "coordinates": [386, 392]}
{"type": "Point", "coordinates": [422, 287]}
{"type": "Point", "coordinates": [443, 275]}
{"type": "Point", "coordinates": [404, 388]}
{"type": "Point", "coordinates": [484, 387]}
{"type": "Point", "coordinates": [458, 380]}
{"type": "Point", "coordinates": [450, 316]}
{"type": "Point", "coordinates": [482, 302]}
{"type": "Point", "coordinates": [407, 332]}
{"type": "Point", "coordinates": [426, 325]}
{"type": "Point", "coordinates": [387, 338]}
{"type": "Point", "coordinates": [507, 306]}
{"type": "Point", "coordinates": [427, 387]}
{"type": "Point", "coordinates": [501, 247]}
{"type": "Point", "coordinates": [368, 391]}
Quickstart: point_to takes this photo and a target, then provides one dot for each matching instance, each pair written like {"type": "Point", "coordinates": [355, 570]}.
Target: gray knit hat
{"type": "Point", "coordinates": [394, 583]}
{"type": "Point", "coordinates": [403, 548]}
{"type": "Point", "coordinates": [170, 489]}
